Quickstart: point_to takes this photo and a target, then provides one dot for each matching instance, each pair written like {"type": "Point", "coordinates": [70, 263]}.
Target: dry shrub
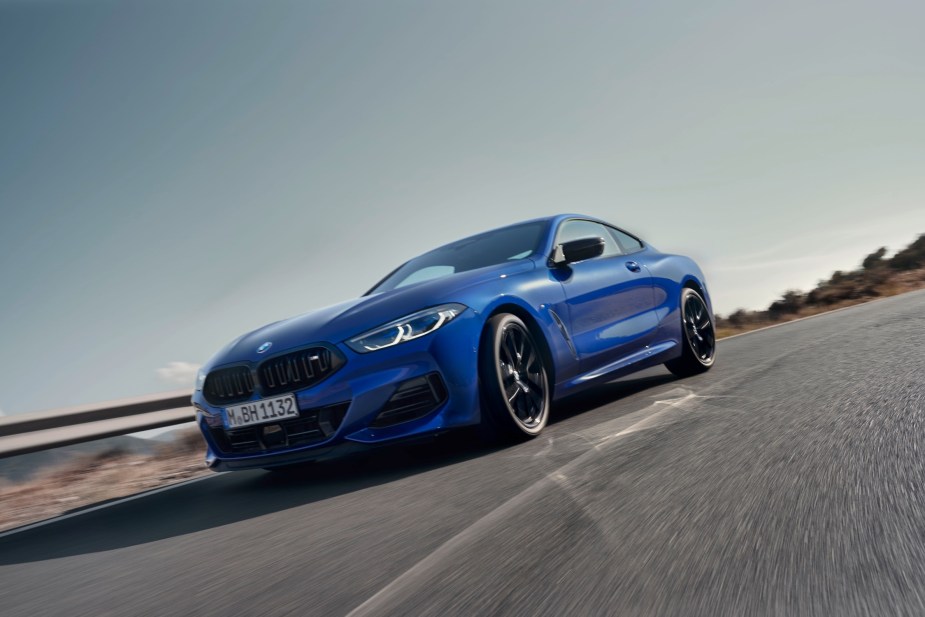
{"type": "Point", "coordinates": [877, 277]}
{"type": "Point", "coordinates": [83, 464]}
{"type": "Point", "coordinates": [185, 443]}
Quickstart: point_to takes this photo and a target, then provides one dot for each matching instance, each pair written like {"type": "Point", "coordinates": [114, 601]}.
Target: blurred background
{"type": "Point", "coordinates": [175, 173]}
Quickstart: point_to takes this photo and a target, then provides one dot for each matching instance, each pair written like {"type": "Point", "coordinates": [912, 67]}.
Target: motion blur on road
{"type": "Point", "coordinates": [787, 480]}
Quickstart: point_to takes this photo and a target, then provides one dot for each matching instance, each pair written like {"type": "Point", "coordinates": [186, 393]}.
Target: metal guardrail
{"type": "Point", "coordinates": [43, 430]}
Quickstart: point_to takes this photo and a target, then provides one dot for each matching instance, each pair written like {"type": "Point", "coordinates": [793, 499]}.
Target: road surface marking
{"type": "Point", "coordinates": [375, 603]}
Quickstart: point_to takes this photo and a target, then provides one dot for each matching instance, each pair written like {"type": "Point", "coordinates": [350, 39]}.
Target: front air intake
{"type": "Point", "coordinates": [412, 399]}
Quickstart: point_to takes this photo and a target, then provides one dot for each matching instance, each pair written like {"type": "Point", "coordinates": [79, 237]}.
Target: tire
{"type": "Point", "coordinates": [513, 380]}
{"type": "Point", "coordinates": [698, 337]}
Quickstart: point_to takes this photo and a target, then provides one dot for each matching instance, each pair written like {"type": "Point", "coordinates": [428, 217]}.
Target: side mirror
{"type": "Point", "coordinates": [577, 250]}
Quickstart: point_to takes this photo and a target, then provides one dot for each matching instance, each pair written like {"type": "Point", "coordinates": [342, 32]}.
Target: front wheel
{"type": "Point", "coordinates": [698, 337]}
{"type": "Point", "coordinates": [514, 384]}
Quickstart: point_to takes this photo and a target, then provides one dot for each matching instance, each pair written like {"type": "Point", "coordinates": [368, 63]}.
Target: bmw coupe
{"type": "Point", "coordinates": [488, 330]}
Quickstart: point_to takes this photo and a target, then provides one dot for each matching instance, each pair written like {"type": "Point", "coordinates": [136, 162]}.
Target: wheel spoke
{"type": "Point", "coordinates": [520, 348]}
{"type": "Point", "coordinates": [711, 340]}
{"type": "Point", "coordinates": [512, 349]}
{"type": "Point", "coordinates": [505, 354]}
{"type": "Point", "coordinates": [522, 410]}
{"type": "Point", "coordinates": [510, 390]}
{"type": "Point", "coordinates": [534, 381]}
{"type": "Point", "coordinates": [537, 399]}
{"type": "Point", "coordinates": [527, 360]}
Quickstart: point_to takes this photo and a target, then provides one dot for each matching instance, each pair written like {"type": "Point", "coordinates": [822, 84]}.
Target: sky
{"type": "Point", "coordinates": [173, 174]}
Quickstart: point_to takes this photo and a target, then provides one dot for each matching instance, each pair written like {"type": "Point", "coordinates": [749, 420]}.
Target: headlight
{"type": "Point", "coordinates": [200, 379]}
{"type": "Point", "coordinates": [406, 329]}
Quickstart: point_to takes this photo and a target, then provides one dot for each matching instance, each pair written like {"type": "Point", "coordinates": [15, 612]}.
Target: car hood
{"type": "Point", "coordinates": [339, 322]}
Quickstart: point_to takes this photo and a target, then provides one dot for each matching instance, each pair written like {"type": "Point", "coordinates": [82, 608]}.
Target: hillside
{"type": "Point", "coordinates": [876, 277]}
{"type": "Point", "coordinates": [92, 473]}
{"type": "Point", "coordinates": [24, 466]}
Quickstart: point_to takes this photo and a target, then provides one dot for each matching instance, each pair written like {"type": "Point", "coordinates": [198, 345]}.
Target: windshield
{"type": "Point", "coordinates": [487, 249]}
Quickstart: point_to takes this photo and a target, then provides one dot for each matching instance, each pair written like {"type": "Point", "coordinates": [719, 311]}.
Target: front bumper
{"type": "Point", "coordinates": [360, 392]}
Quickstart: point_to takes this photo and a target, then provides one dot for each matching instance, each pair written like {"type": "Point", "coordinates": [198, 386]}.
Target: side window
{"type": "Point", "coordinates": [628, 243]}
{"type": "Point", "coordinates": [576, 229]}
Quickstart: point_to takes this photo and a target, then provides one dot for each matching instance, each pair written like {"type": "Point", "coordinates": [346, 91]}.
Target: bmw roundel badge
{"type": "Point", "coordinates": [264, 347]}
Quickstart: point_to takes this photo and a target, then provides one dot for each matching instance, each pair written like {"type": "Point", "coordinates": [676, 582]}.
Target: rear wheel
{"type": "Point", "coordinates": [698, 334]}
{"type": "Point", "coordinates": [515, 388]}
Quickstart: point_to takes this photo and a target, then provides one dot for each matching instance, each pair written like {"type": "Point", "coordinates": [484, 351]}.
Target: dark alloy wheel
{"type": "Point", "coordinates": [514, 383]}
{"type": "Point", "coordinates": [699, 344]}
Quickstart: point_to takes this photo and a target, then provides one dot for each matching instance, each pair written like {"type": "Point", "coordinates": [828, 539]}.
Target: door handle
{"type": "Point", "coordinates": [632, 266]}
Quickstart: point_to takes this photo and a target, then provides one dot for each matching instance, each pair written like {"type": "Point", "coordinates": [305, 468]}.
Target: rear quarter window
{"type": "Point", "coordinates": [628, 243]}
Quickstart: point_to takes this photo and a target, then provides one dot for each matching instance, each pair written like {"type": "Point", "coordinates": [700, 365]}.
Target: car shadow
{"type": "Point", "coordinates": [233, 497]}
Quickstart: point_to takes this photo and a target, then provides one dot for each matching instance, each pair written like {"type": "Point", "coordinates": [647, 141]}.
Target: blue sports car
{"type": "Point", "coordinates": [487, 330]}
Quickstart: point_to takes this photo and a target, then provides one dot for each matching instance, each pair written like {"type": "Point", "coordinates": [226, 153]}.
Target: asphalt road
{"type": "Point", "coordinates": [787, 481]}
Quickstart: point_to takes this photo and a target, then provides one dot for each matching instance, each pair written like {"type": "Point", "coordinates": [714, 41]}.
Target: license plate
{"type": "Point", "coordinates": [262, 411]}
